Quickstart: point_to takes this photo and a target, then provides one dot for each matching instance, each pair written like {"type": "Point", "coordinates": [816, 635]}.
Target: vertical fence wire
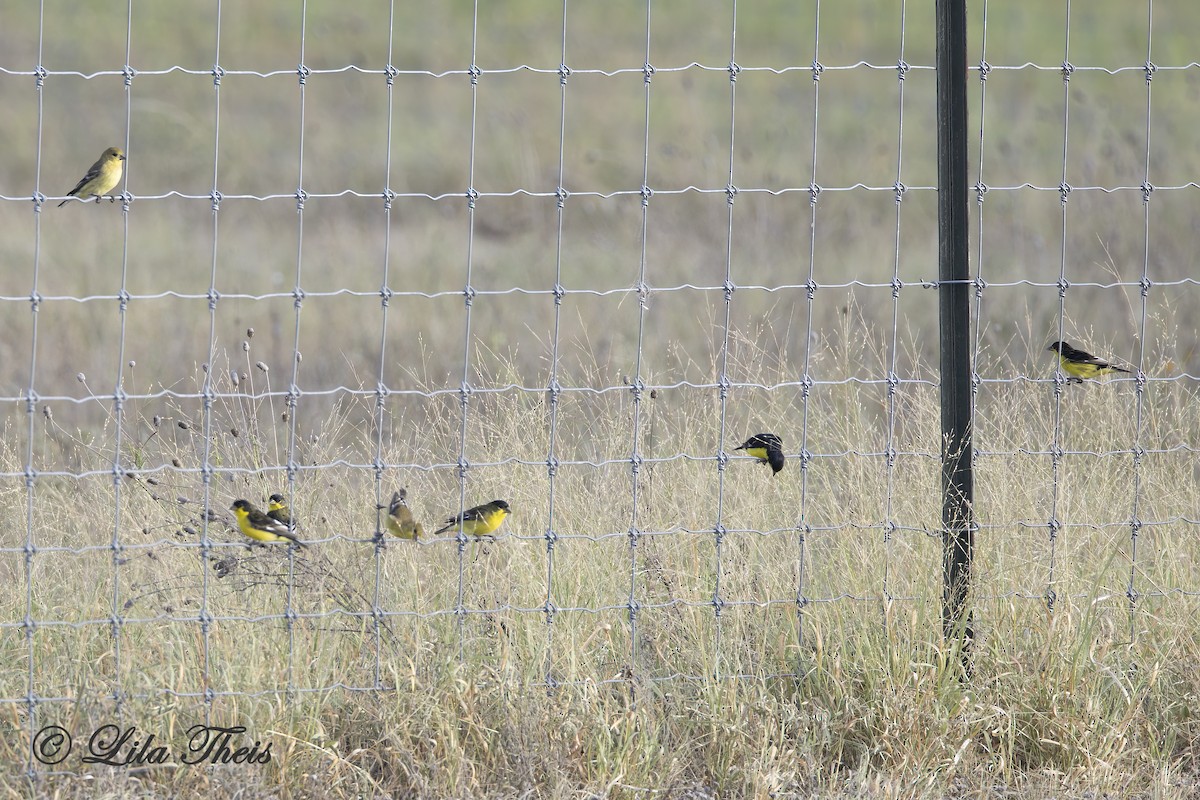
{"type": "Point", "coordinates": [468, 299]}
{"type": "Point", "coordinates": [718, 602]}
{"type": "Point", "coordinates": [553, 389]}
{"type": "Point", "coordinates": [1056, 449]}
{"type": "Point", "coordinates": [292, 399]}
{"type": "Point", "coordinates": [381, 388]}
{"type": "Point", "coordinates": [980, 189]}
{"type": "Point", "coordinates": [28, 624]}
{"type": "Point", "coordinates": [807, 383]}
{"type": "Point", "coordinates": [207, 390]}
{"type": "Point", "coordinates": [118, 397]}
{"type": "Point", "coordinates": [635, 456]}
{"type": "Point", "coordinates": [1135, 524]}
{"type": "Point", "coordinates": [893, 378]}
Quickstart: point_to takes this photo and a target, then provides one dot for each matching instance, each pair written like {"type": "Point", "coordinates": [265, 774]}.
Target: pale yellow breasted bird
{"type": "Point", "coordinates": [101, 178]}
{"type": "Point", "coordinates": [400, 518]}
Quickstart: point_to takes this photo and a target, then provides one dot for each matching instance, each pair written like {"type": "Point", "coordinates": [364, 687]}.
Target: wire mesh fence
{"type": "Point", "coordinates": [571, 255]}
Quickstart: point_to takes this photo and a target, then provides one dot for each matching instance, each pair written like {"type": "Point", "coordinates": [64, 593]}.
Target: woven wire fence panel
{"type": "Point", "coordinates": [571, 255]}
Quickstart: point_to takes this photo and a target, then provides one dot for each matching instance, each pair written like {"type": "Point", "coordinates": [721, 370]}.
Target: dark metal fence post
{"type": "Point", "coordinates": [958, 542]}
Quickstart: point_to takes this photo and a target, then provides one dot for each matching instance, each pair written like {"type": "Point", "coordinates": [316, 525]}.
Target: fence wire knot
{"type": "Point", "coordinates": [551, 466]}
{"type": "Point", "coordinates": [385, 295]}
{"type": "Point", "coordinates": [302, 72]}
{"type": "Point", "coordinates": [39, 75]}
{"type": "Point", "coordinates": [389, 197]}
{"type": "Point", "coordinates": [564, 72]}
{"type": "Point", "coordinates": [985, 69]}
{"type": "Point", "coordinates": [722, 460]}
{"type": "Point", "coordinates": [1147, 190]}
{"type": "Point", "coordinates": [1068, 69]}
{"type": "Point", "coordinates": [1150, 69]}
{"type": "Point", "coordinates": [39, 200]}
{"type": "Point", "coordinates": [648, 72]}
{"type": "Point", "coordinates": [560, 195]}
{"type": "Point", "coordinates": [215, 197]}
{"type": "Point", "coordinates": [730, 193]}
{"type": "Point", "coordinates": [551, 538]}
{"type": "Point", "coordinates": [474, 72]}
{"type": "Point", "coordinates": [1064, 189]}
{"type": "Point", "coordinates": [981, 189]}
{"type": "Point", "coordinates": [900, 189]}
{"type": "Point", "coordinates": [1063, 284]}
{"type": "Point", "coordinates": [472, 195]}
{"type": "Point", "coordinates": [817, 69]}
{"type": "Point", "coordinates": [902, 69]}
{"type": "Point", "coordinates": [130, 73]}
{"type": "Point", "coordinates": [718, 605]}
{"type": "Point", "coordinates": [390, 74]}
{"type": "Point", "coordinates": [814, 191]}
{"type": "Point", "coordinates": [217, 73]}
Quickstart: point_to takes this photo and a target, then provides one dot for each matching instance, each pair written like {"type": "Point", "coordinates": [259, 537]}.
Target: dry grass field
{"type": "Point", "coordinates": [755, 635]}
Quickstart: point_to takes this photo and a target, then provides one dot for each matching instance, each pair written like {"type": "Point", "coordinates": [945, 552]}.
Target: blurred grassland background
{"type": "Point", "coordinates": [1093, 695]}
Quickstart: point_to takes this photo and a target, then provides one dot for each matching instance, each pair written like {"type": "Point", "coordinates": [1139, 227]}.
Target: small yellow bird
{"type": "Point", "coordinates": [479, 521]}
{"type": "Point", "coordinates": [101, 178]}
{"type": "Point", "coordinates": [259, 526]}
{"type": "Point", "coordinates": [1078, 364]}
{"type": "Point", "coordinates": [767, 448]}
{"type": "Point", "coordinates": [277, 510]}
{"type": "Point", "coordinates": [400, 518]}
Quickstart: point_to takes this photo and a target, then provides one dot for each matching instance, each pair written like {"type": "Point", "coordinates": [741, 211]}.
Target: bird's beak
{"type": "Point", "coordinates": [121, 158]}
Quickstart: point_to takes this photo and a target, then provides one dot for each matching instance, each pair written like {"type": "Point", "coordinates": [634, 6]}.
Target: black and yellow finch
{"type": "Point", "coordinates": [400, 518]}
{"type": "Point", "coordinates": [259, 526]}
{"type": "Point", "coordinates": [277, 509]}
{"type": "Point", "coordinates": [1077, 364]}
{"type": "Point", "coordinates": [479, 521]}
{"type": "Point", "coordinates": [767, 448]}
{"type": "Point", "coordinates": [101, 178]}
